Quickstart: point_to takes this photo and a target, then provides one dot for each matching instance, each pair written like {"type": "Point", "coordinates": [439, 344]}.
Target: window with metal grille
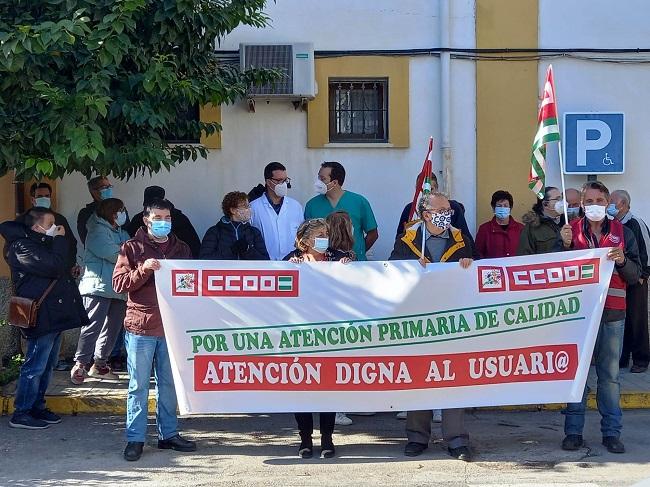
{"type": "Point", "coordinates": [358, 110]}
{"type": "Point", "coordinates": [184, 132]}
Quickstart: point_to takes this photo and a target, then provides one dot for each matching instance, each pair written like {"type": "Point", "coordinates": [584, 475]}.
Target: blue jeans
{"type": "Point", "coordinates": [41, 355]}
{"type": "Point", "coordinates": [607, 353]}
{"type": "Point", "coordinates": [143, 353]}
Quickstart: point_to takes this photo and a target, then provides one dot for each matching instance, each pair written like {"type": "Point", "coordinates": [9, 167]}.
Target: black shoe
{"type": "Point", "coordinates": [327, 448]}
{"type": "Point", "coordinates": [461, 453]}
{"type": "Point", "coordinates": [46, 415]}
{"type": "Point", "coordinates": [414, 449]}
{"type": "Point", "coordinates": [572, 442]}
{"type": "Point", "coordinates": [27, 422]}
{"type": "Point", "coordinates": [638, 369]}
{"type": "Point", "coordinates": [177, 443]}
{"type": "Point", "coordinates": [613, 444]}
{"type": "Point", "coordinates": [133, 451]}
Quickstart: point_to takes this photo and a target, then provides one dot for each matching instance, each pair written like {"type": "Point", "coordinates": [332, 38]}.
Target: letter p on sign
{"type": "Point", "coordinates": [594, 143]}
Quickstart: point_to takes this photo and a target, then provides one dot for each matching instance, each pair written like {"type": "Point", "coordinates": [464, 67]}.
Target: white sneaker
{"type": "Point", "coordinates": [104, 373]}
{"type": "Point", "coordinates": [437, 416]}
{"type": "Point", "coordinates": [401, 415]}
{"type": "Point", "coordinates": [342, 420]}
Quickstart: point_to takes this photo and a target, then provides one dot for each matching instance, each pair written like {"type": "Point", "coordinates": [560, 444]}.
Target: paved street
{"type": "Point", "coordinates": [512, 448]}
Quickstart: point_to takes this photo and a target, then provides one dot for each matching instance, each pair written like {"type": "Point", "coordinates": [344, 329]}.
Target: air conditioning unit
{"type": "Point", "coordinates": [295, 60]}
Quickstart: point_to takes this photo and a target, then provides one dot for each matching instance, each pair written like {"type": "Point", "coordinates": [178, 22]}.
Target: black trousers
{"type": "Point", "coordinates": [306, 424]}
{"type": "Point", "coordinates": [635, 339]}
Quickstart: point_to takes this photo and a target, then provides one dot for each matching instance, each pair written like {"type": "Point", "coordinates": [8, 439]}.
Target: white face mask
{"type": "Point", "coordinates": [320, 187]}
{"type": "Point", "coordinates": [559, 207]}
{"type": "Point", "coordinates": [50, 231]}
{"type": "Point", "coordinates": [595, 213]}
{"type": "Point", "coordinates": [281, 189]}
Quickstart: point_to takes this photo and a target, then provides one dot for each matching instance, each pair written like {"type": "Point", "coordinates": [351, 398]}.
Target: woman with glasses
{"type": "Point", "coordinates": [233, 237]}
{"type": "Point", "coordinates": [542, 225]}
{"type": "Point", "coordinates": [105, 307]}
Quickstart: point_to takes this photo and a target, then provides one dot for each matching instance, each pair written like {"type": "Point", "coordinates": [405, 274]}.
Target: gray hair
{"type": "Point", "coordinates": [423, 202]}
{"type": "Point", "coordinates": [625, 196]}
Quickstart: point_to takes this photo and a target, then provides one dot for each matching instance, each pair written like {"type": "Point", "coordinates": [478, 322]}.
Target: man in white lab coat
{"type": "Point", "coordinates": [275, 214]}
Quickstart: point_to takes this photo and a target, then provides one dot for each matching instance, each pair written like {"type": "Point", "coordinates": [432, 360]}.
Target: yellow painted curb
{"type": "Point", "coordinates": [116, 404]}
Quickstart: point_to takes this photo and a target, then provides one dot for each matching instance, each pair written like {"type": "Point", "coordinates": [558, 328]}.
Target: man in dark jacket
{"type": "Point", "coordinates": [635, 341]}
{"type": "Point", "coordinates": [182, 228]}
{"type": "Point", "coordinates": [36, 252]}
{"type": "Point", "coordinates": [100, 188]}
{"type": "Point", "coordinates": [444, 243]}
{"type": "Point", "coordinates": [542, 225]}
{"type": "Point", "coordinates": [145, 336]}
{"type": "Point", "coordinates": [594, 230]}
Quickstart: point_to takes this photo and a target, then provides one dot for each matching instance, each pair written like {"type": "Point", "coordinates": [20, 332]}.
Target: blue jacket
{"type": "Point", "coordinates": [102, 247]}
{"type": "Point", "coordinates": [35, 261]}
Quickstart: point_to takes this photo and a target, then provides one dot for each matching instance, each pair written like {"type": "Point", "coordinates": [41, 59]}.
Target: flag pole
{"type": "Point", "coordinates": [560, 152]}
{"type": "Point", "coordinates": [424, 224]}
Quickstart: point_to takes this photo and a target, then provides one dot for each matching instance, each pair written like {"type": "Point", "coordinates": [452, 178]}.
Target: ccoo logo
{"type": "Point", "coordinates": [237, 283]}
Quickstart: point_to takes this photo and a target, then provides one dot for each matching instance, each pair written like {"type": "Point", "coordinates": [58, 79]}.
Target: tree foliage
{"type": "Point", "coordinates": [92, 85]}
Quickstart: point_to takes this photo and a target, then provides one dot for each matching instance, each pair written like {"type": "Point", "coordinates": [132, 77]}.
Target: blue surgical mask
{"type": "Point", "coordinates": [120, 218]}
{"type": "Point", "coordinates": [106, 193]}
{"type": "Point", "coordinates": [502, 212]}
{"type": "Point", "coordinates": [611, 210]}
{"type": "Point", "coordinates": [321, 244]}
{"type": "Point", "coordinates": [43, 202]}
{"type": "Point", "coordinates": [160, 228]}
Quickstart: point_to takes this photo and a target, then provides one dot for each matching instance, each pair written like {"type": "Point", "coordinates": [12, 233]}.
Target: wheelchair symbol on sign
{"type": "Point", "coordinates": [607, 161]}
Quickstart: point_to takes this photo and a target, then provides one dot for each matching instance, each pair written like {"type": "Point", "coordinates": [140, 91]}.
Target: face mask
{"type": "Point", "coordinates": [595, 213]}
{"type": "Point", "coordinates": [320, 187]}
{"type": "Point", "coordinates": [245, 215]}
{"type": "Point", "coordinates": [106, 193]}
{"type": "Point", "coordinates": [321, 244]}
{"type": "Point", "coordinates": [281, 189]}
{"type": "Point", "coordinates": [611, 210]}
{"type": "Point", "coordinates": [573, 212]}
{"type": "Point", "coordinates": [120, 218]}
{"type": "Point", "coordinates": [501, 212]}
{"type": "Point", "coordinates": [50, 231]}
{"type": "Point", "coordinates": [43, 202]}
{"type": "Point", "coordinates": [441, 220]}
{"type": "Point", "coordinates": [160, 228]}
{"type": "Point", "coordinates": [559, 207]}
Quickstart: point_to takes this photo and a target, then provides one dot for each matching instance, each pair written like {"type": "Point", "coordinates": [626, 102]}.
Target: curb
{"type": "Point", "coordinates": [116, 404]}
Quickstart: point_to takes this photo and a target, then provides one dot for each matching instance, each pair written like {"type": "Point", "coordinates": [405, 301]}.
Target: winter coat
{"type": "Point", "coordinates": [229, 240]}
{"type": "Point", "coordinates": [71, 257]}
{"type": "Point", "coordinates": [540, 235]}
{"type": "Point", "coordinates": [102, 248]}
{"type": "Point", "coordinates": [142, 312]}
{"type": "Point", "coordinates": [35, 261]}
{"type": "Point", "coordinates": [493, 241]}
{"type": "Point", "coordinates": [409, 245]}
{"type": "Point", "coordinates": [331, 255]}
{"type": "Point", "coordinates": [181, 226]}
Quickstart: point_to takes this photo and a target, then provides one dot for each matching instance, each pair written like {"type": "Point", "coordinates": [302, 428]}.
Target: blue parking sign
{"type": "Point", "coordinates": [594, 143]}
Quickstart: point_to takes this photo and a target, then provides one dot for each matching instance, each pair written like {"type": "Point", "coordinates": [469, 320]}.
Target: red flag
{"type": "Point", "coordinates": [423, 183]}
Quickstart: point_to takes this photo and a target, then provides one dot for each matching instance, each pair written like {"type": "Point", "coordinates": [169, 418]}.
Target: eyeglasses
{"type": "Point", "coordinates": [101, 188]}
{"type": "Point", "coordinates": [280, 181]}
{"type": "Point", "coordinates": [247, 207]}
{"type": "Point", "coordinates": [435, 211]}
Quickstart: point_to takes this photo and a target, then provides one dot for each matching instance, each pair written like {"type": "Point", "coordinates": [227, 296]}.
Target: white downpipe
{"type": "Point", "coordinates": [445, 98]}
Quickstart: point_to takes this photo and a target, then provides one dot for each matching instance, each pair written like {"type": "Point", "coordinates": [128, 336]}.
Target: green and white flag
{"type": "Point", "coordinates": [547, 131]}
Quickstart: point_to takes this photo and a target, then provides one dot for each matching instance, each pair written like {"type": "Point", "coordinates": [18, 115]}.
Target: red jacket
{"type": "Point", "coordinates": [493, 241]}
{"type": "Point", "coordinates": [142, 313]}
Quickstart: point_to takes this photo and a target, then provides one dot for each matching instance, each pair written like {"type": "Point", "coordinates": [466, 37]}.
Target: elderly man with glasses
{"type": "Point", "coordinates": [442, 243]}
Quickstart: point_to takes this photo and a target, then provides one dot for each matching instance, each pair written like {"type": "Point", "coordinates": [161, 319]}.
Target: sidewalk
{"type": "Point", "coordinates": [98, 396]}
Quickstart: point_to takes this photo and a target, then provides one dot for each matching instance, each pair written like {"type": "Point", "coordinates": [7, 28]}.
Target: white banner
{"type": "Point", "coordinates": [381, 336]}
